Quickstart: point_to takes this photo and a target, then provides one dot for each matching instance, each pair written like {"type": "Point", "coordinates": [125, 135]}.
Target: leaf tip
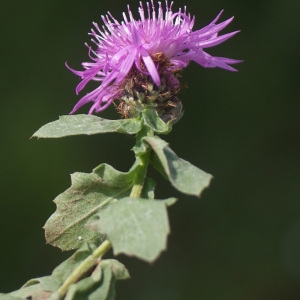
{"type": "Point", "coordinates": [206, 184]}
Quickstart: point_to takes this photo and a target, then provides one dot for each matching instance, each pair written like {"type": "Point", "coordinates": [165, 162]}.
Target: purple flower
{"type": "Point", "coordinates": [137, 44]}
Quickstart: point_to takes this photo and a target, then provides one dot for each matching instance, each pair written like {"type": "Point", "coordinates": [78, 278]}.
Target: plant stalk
{"type": "Point", "coordinates": [84, 267]}
{"type": "Point", "coordinates": [141, 175]}
{"type": "Point", "coordinates": [143, 159]}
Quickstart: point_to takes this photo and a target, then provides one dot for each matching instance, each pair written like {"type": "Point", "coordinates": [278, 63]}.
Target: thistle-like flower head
{"type": "Point", "coordinates": [138, 59]}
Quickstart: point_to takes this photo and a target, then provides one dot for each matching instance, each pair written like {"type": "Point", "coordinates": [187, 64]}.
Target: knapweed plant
{"type": "Point", "coordinates": [137, 64]}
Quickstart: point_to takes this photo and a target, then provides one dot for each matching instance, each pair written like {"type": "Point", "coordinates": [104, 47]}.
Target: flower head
{"type": "Point", "coordinates": [142, 57]}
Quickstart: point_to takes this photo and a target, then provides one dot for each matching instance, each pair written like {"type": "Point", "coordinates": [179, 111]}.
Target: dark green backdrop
{"type": "Point", "coordinates": [241, 240]}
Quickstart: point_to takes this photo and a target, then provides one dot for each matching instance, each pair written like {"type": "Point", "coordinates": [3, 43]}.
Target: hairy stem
{"type": "Point", "coordinates": [84, 267]}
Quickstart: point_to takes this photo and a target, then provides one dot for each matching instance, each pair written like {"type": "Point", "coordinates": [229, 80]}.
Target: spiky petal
{"type": "Point", "coordinates": [120, 47]}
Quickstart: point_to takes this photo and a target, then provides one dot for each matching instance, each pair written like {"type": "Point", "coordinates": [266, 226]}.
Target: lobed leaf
{"type": "Point", "coordinates": [137, 227]}
{"type": "Point", "coordinates": [184, 176]}
{"type": "Point", "coordinates": [147, 193]}
{"type": "Point", "coordinates": [86, 124]}
{"type": "Point", "coordinates": [88, 194]}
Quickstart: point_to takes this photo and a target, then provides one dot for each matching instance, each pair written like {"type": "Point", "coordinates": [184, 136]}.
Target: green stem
{"type": "Point", "coordinates": [84, 267]}
{"type": "Point", "coordinates": [141, 175]}
{"type": "Point", "coordinates": [143, 159]}
{"type": "Point", "coordinates": [93, 259]}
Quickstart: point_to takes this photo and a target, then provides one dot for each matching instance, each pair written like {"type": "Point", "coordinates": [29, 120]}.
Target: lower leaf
{"type": "Point", "coordinates": [137, 227]}
{"type": "Point", "coordinates": [101, 284]}
{"type": "Point", "coordinates": [39, 288]}
{"type": "Point", "coordinates": [88, 194]}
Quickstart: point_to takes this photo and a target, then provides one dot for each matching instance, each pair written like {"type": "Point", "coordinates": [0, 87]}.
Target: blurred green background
{"type": "Point", "coordinates": [241, 240]}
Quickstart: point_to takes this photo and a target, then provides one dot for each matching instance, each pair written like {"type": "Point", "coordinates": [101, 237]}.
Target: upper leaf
{"type": "Point", "coordinates": [86, 124]}
{"type": "Point", "coordinates": [152, 120]}
{"type": "Point", "coordinates": [88, 194]}
{"type": "Point", "coordinates": [137, 227]}
{"type": "Point", "coordinates": [185, 177]}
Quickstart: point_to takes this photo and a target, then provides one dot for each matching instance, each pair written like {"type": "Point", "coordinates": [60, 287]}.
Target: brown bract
{"type": "Point", "coordinates": [139, 91]}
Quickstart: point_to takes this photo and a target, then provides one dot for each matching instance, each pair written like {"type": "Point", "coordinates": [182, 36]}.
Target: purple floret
{"type": "Point", "coordinates": [120, 47]}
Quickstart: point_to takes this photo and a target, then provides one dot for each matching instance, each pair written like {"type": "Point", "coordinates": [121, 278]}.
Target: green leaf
{"type": "Point", "coordinates": [64, 270]}
{"type": "Point", "coordinates": [9, 297]}
{"type": "Point", "coordinates": [47, 282]}
{"type": "Point", "coordinates": [153, 121]}
{"type": "Point", "coordinates": [94, 224]}
{"type": "Point", "coordinates": [102, 292]}
{"type": "Point", "coordinates": [85, 288]}
{"type": "Point", "coordinates": [185, 177]}
{"type": "Point", "coordinates": [88, 194]}
{"type": "Point", "coordinates": [137, 227]}
{"type": "Point", "coordinates": [148, 189]}
{"type": "Point", "coordinates": [100, 285]}
{"type": "Point", "coordinates": [118, 272]}
{"type": "Point", "coordinates": [86, 124]}
{"type": "Point", "coordinates": [39, 288]}
{"type": "Point", "coordinates": [141, 148]}
{"type": "Point", "coordinates": [118, 269]}
{"type": "Point", "coordinates": [170, 201]}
